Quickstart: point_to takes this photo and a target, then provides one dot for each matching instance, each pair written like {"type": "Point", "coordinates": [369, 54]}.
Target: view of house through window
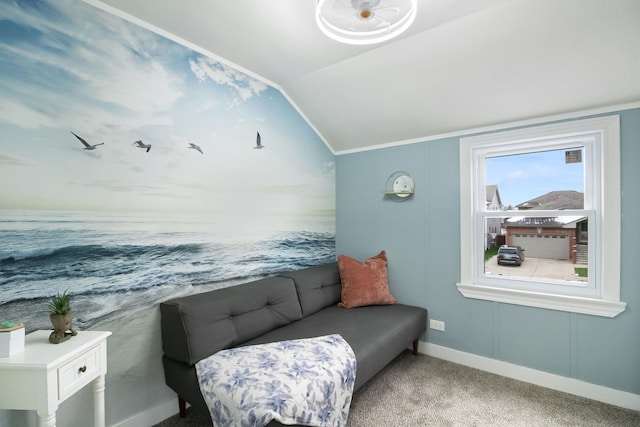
{"type": "Point", "coordinates": [536, 226]}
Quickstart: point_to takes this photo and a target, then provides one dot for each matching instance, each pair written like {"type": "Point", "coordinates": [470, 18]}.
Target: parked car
{"type": "Point", "coordinates": [510, 255]}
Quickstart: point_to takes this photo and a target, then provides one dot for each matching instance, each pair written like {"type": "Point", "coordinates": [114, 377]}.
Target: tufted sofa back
{"type": "Point", "coordinates": [318, 286]}
{"type": "Point", "coordinates": [199, 325]}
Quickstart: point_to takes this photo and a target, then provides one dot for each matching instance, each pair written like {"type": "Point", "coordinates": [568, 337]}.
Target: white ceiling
{"type": "Point", "coordinates": [463, 64]}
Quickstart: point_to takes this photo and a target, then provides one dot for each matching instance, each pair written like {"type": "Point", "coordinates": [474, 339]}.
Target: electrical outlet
{"type": "Point", "coordinates": [438, 325]}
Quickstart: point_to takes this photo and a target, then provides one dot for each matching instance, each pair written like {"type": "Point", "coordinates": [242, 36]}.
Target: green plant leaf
{"type": "Point", "coordinates": [60, 303]}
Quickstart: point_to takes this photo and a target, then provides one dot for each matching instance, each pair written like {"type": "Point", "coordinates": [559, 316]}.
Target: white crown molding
{"type": "Point", "coordinates": [501, 126]}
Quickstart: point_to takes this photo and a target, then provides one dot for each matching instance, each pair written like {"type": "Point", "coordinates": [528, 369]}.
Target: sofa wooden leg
{"type": "Point", "coordinates": [415, 348]}
{"type": "Point", "coordinates": [182, 404]}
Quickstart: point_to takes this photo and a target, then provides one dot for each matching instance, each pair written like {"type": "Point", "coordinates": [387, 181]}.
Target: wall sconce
{"type": "Point", "coordinates": [400, 187]}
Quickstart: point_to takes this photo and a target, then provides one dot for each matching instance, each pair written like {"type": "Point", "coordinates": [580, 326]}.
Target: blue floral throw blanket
{"type": "Point", "coordinates": [307, 381]}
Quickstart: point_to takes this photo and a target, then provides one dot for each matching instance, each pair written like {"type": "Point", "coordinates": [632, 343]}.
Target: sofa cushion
{"type": "Point", "coordinates": [376, 334]}
{"type": "Point", "coordinates": [196, 326]}
{"type": "Point", "coordinates": [318, 287]}
{"type": "Point", "coordinates": [364, 283]}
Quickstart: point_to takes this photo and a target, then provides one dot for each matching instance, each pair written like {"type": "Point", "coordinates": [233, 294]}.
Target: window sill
{"type": "Point", "coordinates": [593, 306]}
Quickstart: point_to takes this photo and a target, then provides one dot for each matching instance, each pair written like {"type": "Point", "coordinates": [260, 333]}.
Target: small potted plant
{"type": "Point", "coordinates": [60, 315]}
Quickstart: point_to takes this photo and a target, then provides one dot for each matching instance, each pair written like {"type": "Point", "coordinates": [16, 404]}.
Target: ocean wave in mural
{"type": "Point", "coordinates": [115, 264]}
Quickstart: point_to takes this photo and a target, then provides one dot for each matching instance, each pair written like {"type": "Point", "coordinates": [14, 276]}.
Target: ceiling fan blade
{"type": "Point", "coordinates": [343, 8]}
{"type": "Point", "coordinates": [385, 9]}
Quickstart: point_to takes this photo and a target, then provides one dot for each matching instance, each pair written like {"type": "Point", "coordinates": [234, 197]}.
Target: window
{"type": "Point", "coordinates": [559, 183]}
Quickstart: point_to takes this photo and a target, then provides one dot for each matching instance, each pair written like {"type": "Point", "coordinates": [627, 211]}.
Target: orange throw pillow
{"type": "Point", "coordinates": [364, 283]}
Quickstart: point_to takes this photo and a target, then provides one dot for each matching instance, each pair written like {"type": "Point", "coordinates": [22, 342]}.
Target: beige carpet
{"type": "Point", "coordinates": [425, 391]}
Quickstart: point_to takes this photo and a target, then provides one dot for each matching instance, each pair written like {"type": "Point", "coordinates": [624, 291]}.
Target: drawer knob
{"type": "Point", "coordinates": [82, 369]}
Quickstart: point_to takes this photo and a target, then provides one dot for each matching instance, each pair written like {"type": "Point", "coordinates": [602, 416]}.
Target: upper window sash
{"type": "Point", "coordinates": [588, 142]}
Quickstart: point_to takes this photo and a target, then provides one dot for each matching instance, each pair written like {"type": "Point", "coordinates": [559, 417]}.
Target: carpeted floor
{"type": "Point", "coordinates": [425, 391]}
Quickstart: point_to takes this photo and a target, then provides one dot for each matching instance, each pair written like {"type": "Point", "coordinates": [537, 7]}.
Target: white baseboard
{"type": "Point", "coordinates": [608, 395]}
{"type": "Point", "coordinates": [152, 415]}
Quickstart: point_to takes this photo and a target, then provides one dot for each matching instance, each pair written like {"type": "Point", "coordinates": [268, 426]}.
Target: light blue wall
{"type": "Point", "coordinates": [422, 240]}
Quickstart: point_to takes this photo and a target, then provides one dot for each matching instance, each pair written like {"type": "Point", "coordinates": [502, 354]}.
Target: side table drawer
{"type": "Point", "coordinates": [78, 372]}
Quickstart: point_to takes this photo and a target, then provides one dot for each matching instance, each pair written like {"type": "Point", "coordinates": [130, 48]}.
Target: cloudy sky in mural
{"type": "Point", "coordinates": [69, 67]}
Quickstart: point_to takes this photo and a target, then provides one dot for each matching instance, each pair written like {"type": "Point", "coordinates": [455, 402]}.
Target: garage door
{"type": "Point", "coordinates": [541, 246]}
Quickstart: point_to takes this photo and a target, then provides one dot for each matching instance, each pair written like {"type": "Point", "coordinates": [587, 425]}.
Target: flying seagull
{"type": "Point", "coordinates": [142, 145]}
{"type": "Point", "coordinates": [195, 147]}
{"type": "Point", "coordinates": [258, 141]}
{"type": "Point", "coordinates": [87, 146]}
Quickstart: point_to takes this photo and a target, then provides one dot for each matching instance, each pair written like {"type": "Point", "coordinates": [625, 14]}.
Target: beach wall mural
{"type": "Point", "coordinates": [134, 169]}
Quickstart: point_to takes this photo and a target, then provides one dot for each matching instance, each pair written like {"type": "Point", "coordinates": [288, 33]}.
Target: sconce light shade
{"type": "Point", "coordinates": [363, 22]}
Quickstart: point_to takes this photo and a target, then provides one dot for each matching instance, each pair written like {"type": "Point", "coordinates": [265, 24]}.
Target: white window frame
{"type": "Point", "coordinates": [601, 296]}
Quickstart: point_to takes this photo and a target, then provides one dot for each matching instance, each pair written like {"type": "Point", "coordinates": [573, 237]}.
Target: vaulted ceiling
{"type": "Point", "coordinates": [464, 64]}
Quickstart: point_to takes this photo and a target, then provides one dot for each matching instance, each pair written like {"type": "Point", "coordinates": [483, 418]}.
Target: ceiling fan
{"type": "Point", "coordinates": [362, 22]}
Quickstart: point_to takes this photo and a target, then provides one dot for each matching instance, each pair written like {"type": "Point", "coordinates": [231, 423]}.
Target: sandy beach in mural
{"type": "Point", "coordinates": [134, 351]}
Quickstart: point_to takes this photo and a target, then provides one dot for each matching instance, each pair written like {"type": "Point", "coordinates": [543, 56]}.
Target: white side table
{"type": "Point", "coordinates": [46, 374]}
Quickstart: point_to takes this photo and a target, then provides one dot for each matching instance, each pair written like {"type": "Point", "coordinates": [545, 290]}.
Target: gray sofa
{"type": "Point", "coordinates": [291, 305]}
